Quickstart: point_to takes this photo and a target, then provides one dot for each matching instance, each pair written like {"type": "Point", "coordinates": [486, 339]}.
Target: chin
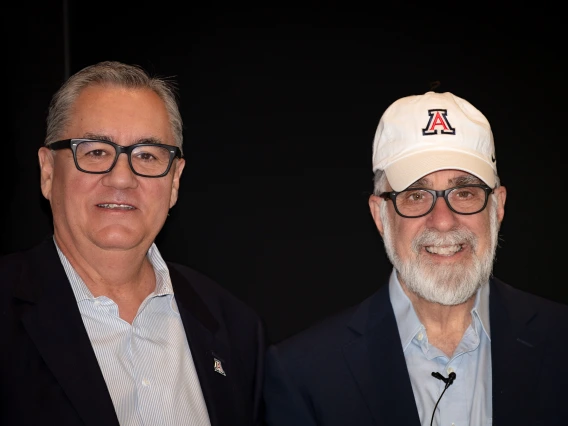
{"type": "Point", "coordinates": [447, 285]}
{"type": "Point", "coordinates": [117, 239]}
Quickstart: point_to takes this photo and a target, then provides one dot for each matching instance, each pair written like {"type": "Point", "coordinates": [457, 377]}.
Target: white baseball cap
{"type": "Point", "coordinates": [421, 134]}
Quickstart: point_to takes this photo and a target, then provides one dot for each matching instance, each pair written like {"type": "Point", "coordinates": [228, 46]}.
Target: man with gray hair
{"type": "Point", "coordinates": [442, 325]}
{"type": "Point", "coordinates": [97, 328]}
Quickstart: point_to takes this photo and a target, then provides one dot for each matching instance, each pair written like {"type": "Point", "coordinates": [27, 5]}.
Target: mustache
{"type": "Point", "coordinates": [431, 237]}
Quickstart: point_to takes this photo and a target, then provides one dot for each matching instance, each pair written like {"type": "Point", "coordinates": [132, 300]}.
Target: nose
{"type": "Point", "coordinates": [441, 217]}
{"type": "Point", "coordinates": [121, 176]}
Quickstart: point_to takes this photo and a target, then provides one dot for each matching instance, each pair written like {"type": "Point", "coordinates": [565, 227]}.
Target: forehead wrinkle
{"type": "Point", "coordinates": [107, 138]}
{"type": "Point", "coordinates": [97, 136]}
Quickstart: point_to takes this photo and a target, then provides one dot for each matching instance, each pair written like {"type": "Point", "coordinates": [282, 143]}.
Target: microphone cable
{"type": "Point", "coordinates": [448, 381]}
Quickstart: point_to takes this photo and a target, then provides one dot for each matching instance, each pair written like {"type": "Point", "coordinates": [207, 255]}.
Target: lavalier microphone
{"type": "Point", "coordinates": [448, 381]}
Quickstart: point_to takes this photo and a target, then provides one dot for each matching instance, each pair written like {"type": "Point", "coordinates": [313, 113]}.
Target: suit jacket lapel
{"type": "Point", "coordinates": [210, 352]}
{"type": "Point", "coordinates": [377, 363]}
{"type": "Point", "coordinates": [52, 319]}
{"type": "Point", "coordinates": [515, 354]}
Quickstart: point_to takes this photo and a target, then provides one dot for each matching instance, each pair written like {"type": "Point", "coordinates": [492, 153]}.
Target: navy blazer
{"type": "Point", "coordinates": [350, 369]}
{"type": "Point", "coordinates": [49, 372]}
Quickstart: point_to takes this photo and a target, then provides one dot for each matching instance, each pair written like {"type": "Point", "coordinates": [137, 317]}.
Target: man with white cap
{"type": "Point", "coordinates": [443, 325]}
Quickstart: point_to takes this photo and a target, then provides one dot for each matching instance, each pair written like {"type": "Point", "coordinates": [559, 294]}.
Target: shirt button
{"type": "Point", "coordinates": [145, 382]}
{"type": "Point", "coordinates": [450, 370]}
{"type": "Point", "coordinates": [97, 303]}
{"type": "Point", "coordinates": [420, 336]}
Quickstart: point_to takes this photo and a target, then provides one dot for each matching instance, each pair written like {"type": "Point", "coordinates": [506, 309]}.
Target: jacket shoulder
{"type": "Point", "coordinates": [12, 267]}
{"type": "Point", "coordinates": [214, 293]}
{"type": "Point", "coordinates": [544, 318]}
{"type": "Point", "coordinates": [512, 295]}
{"type": "Point", "coordinates": [322, 338]}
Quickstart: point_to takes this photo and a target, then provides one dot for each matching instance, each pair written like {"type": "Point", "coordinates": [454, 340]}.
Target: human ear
{"type": "Point", "coordinates": [375, 205]}
{"type": "Point", "coordinates": [501, 193]}
{"type": "Point", "coordinates": [179, 166]}
{"type": "Point", "coordinates": [46, 166]}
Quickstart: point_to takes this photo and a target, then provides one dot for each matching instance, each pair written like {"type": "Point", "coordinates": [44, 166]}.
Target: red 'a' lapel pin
{"type": "Point", "coordinates": [218, 367]}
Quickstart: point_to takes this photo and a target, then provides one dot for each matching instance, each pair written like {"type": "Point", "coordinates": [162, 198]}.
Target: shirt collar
{"type": "Point", "coordinates": [163, 280]}
{"type": "Point", "coordinates": [407, 319]}
{"type": "Point", "coordinates": [82, 292]}
{"type": "Point", "coordinates": [481, 309]}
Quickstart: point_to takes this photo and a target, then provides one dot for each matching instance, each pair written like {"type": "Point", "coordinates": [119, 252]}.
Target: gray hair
{"type": "Point", "coordinates": [380, 182]}
{"type": "Point", "coordinates": [111, 73]}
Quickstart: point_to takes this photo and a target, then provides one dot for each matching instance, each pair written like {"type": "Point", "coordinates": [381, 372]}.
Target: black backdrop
{"type": "Point", "coordinates": [280, 107]}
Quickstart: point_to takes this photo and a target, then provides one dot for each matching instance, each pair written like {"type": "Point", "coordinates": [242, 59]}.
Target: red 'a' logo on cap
{"type": "Point", "coordinates": [438, 123]}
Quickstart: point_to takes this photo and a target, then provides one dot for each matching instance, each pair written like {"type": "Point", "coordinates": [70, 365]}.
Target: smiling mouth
{"type": "Point", "coordinates": [111, 206]}
{"type": "Point", "coordinates": [444, 250]}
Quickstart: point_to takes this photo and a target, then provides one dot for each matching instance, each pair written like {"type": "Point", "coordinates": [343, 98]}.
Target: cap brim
{"type": "Point", "coordinates": [404, 172]}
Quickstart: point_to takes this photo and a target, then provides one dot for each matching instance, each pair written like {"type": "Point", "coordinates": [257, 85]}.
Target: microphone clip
{"type": "Point", "coordinates": [447, 380]}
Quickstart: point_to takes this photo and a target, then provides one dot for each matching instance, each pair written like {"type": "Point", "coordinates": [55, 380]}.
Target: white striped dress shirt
{"type": "Point", "coordinates": [147, 365]}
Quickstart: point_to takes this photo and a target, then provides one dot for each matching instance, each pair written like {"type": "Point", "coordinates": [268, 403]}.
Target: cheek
{"type": "Point", "coordinates": [484, 236]}
{"type": "Point", "coordinates": [71, 191]}
{"type": "Point", "coordinates": [156, 195]}
{"type": "Point", "coordinates": [404, 232]}
{"type": "Point", "coordinates": [65, 188]}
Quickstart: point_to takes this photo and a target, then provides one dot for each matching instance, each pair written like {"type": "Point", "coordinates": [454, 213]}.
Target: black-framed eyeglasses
{"type": "Point", "coordinates": [418, 202]}
{"type": "Point", "coordinates": [94, 156]}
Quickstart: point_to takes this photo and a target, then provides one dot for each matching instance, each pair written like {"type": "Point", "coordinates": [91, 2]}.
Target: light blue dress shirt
{"type": "Point", "coordinates": [468, 401]}
{"type": "Point", "coordinates": [147, 365]}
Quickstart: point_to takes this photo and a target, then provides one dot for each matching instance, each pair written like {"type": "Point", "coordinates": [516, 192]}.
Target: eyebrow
{"type": "Point", "coordinates": [458, 180]}
{"type": "Point", "coordinates": [106, 138]}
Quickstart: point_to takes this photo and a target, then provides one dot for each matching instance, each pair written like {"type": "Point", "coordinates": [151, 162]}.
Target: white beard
{"type": "Point", "coordinates": [451, 284]}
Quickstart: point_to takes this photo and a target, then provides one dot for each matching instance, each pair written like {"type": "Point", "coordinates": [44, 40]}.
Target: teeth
{"type": "Point", "coordinates": [445, 250]}
{"type": "Point", "coordinates": [116, 206]}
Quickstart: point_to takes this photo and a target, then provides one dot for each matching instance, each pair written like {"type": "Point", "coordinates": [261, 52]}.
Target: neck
{"type": "Point", "coordinates": [445, 325]}
{"type": "Point", "coordinates": [125, 276]}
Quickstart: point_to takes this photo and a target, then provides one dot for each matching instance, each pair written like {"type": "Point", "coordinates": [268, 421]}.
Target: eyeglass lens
{"type": "Point", "coordinates": [95, 156]}
{"type": "Point", "coordinates": [466, 199]}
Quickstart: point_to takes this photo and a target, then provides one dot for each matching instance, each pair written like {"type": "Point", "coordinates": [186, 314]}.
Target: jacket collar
{"type": "Point", "coordinates": [380, 373]}
{"type": "Point", "coordinates": [50, 315]}
{"type": "Point", "coordinates": [516, 353]}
